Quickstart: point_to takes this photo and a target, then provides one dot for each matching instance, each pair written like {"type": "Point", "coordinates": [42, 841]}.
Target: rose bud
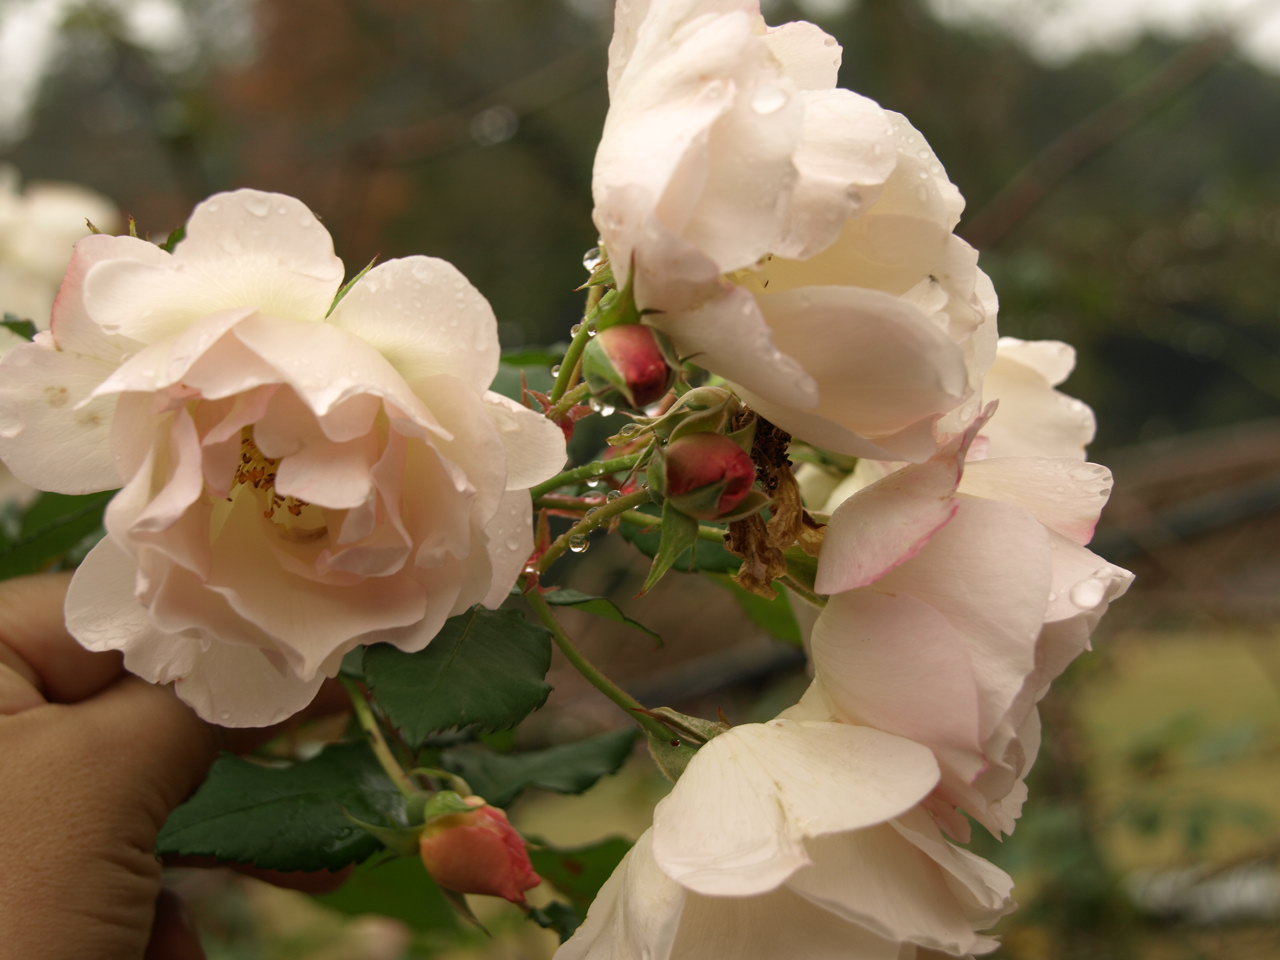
{"type": "Point", "coordinates": [706, 475]}
{"type": "Point", "coordinates": [478, 852]}
{"type": "Point", "coordinates": [627, 364]}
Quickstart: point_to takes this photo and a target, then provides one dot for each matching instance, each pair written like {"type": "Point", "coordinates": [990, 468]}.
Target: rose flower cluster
{"type": "Point", "coordinates": [798, 240]}
{"type": "Point", "coordinates": [305, 467]}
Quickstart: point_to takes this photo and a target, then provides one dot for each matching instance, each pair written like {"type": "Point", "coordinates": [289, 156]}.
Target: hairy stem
{"type": "Point", "coordinates": [588, 471]}
{"type": "Point", "coordinates": [596, 517]}
{"type": "Point", "coordinates": [373, 733]}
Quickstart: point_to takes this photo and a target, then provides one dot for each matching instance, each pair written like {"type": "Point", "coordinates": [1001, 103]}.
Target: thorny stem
{"type": "Point", "coordinates": [596, 517]}
{"type": "Point", "coordinates": [629, 704]}
{"type": "Point", "coordinates": [588, 471]}
{"type": "Point", "coordinates": [373, 733]}
{"type": "Point", "coordinates": [568, 401]}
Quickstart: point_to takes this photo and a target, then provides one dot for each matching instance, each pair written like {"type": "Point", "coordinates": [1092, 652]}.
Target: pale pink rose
{"type": "Point", "coordinates": [795, 839]}
{"type": "Point", "coordinates": [954, 603]}
{"type": "Point", "coordinates": [295, 481]}
{"type": "Point", "coordinates": [793, 238]}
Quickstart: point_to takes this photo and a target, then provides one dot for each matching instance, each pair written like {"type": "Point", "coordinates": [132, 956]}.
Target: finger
{"type": "Point", "coordinates": [38, 652]}
{"type": "Point", "coordinates": [172, 935]}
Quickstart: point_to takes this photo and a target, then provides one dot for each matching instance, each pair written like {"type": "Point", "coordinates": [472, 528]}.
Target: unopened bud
{"type": "Point", "coordinates": [627, 364]}
{"type": "Point", "coordinates": [478, 852]}
{"type": "Point", "coordinates": [706, 475]}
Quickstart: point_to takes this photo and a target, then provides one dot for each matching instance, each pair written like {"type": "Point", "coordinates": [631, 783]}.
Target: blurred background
{"type": "Point", "coordinates": [1121, 161]}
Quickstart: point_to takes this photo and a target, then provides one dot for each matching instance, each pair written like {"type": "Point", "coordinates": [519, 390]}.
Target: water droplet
{"type": "Point", "coordinates": [593, 482]}
{"type": "Point", "coordinates": [1088, 593]}
{"type": "Point", "coordinates": [282, 210]}
{"type": "Point", "coordinates": [512, 544]}
{"type": "Point", "coordinates": [592, 259]}
{"type": "Point", "coordinates": [555, 371]}
{"type": "Point", "coordinates": [606, 410]}
{"type": "Point", "coordinates": [257, 205]}
{"type": "Point", "coordinates": [630, 430]}
{"type": "Point", "coordinates": [769, 101]}
{"type": "Point", "coordinates": [575, 330]}
{"type": "Point", "coordinates": [613, 495]}
{"type": "Point", "coordinates": [579, 543]}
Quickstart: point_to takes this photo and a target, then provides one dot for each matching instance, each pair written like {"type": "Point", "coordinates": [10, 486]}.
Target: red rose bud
{"type": "Point", "coordinates": [478, 852]}
{"type": "Point", "coordinates": [627, 363]}
{"type": "Point", "coordinates": [706, 475]}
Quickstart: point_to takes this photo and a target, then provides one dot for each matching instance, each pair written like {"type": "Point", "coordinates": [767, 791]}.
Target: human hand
{"type": "Point", "coordinates": [94, 760]}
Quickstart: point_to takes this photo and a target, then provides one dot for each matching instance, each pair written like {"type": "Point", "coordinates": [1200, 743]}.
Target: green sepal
{"type": "Point", "coordinates": [671, 755]}
{"type": "Point", "coordinates": [400, 840]}
{"type": "Point", "coordinates": [679, 534]}
{"type": "Point", "coordinates": [445, 803]}
{"type": "Point", "coordinates": [459, 904]}
{"type": "Point", "coordinates": [171, 242]}
{"type": "Point", "coordinates": [346, 287]}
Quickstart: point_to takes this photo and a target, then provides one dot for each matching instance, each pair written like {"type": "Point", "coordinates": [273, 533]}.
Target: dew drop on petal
{"type": "Point", "coordinates": [1088, 593]}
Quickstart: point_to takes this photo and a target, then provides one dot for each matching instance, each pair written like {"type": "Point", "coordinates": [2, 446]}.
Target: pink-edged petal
{"type": "Point", "coordinates": [635, 916]}
{"type": "Point", "coordinates": [735, 822]}
{"type": "Point", "coordinates": [884, 371]}
{"type": "Point", "coordinates": [887, 523]}
{"type": "Point", "coordinates": [895, 663]}
{"type": "Point", "coordinates": [426, 318]}
{"type": "Point", "coordinates": [52, 436]}
{"type": "Point", "coordinates": [73, 328]}
{"type": "Point", "coordinates": [534, 445]}
{"type": "Point", "coordinates": [1067, 496]}
{"type": "Point", "coordinates": [238, 685]}
{"type": "Point", "coordinates": [988, 572]}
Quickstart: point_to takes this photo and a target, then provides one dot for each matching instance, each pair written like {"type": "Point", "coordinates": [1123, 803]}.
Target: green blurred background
{"type": "Point", "coordinates": [1121, 163]}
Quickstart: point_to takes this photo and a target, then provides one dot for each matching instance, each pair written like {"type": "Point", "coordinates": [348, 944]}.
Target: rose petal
{"type": "Point", "coordinates": [734, 823]}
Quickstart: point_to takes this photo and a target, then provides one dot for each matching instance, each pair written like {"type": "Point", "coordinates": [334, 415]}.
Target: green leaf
{"type": "Point", "coordinates": [399, 888]}
{"type": "Point", "coordinates": [557, 916]}
{"type": "Point", "coordinates": [775, 616]}
{"type": "Point", "coordinates": [598, 606]}
{"type": "Point", "coordinates": [706, 554]}
{"type": "Point", "coordinates": [578, 872]}
{"type": "Point", "coordinates": [54, 526]}
{"type": "Point", "coordinates": [569, 768]}
{"type": "Point", "coordinates": [679, 533]}
{"type": "Point", "coordinates": [291, 817]}
{"type": "Point", "coordinates": [15, 324]}
{"type": "Point", "coordinates": [485, 668]}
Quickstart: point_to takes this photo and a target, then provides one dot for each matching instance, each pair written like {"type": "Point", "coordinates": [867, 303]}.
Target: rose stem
{"type": "Point", "coordinates": [568, 402]}
{"type": "Point", "coordinates": [588, 471]}
{"type": "Point", "coordinates": [596, 517]}
{"type": "Point", "coordinates": [629, 704]}
{"type": "Point", "coordinates": [569, 365]}
{"type": "Point", "coordinates": [373, 733]}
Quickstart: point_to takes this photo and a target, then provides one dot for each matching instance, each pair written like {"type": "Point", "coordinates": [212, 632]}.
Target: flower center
{"type": "Point", "coordinates": [258, 471]}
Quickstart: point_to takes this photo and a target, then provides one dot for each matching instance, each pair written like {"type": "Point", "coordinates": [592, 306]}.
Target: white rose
{"type": "Point", "coordinates": [795, 839]}
{"type": "Point", "coordinates": [793, 238]}
{"type": "Point", "coordinates": [954, 603]}
{"type": "Point", "coordinates": [295, 482]}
